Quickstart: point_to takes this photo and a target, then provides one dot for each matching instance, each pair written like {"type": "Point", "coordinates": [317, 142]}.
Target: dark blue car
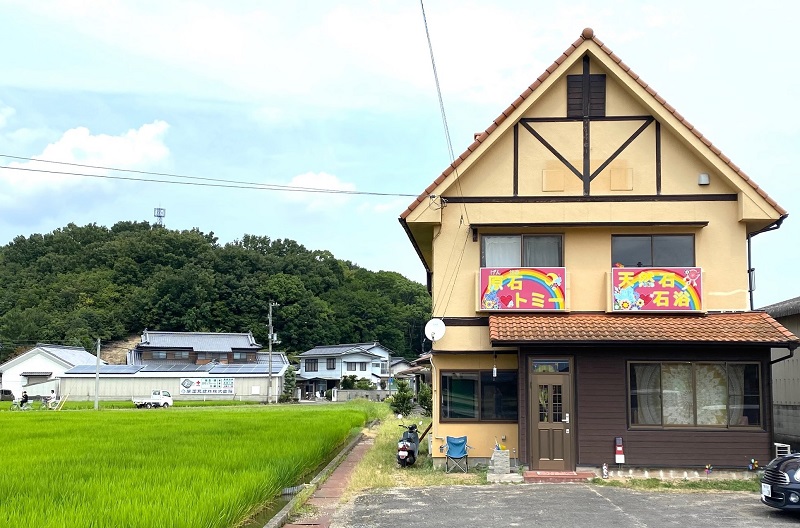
{"type": "Point", "coordinates": [780, 484]}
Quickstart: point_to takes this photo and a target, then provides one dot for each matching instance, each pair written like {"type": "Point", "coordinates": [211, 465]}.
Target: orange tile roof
{"type": "Point", "coordinates": [587, 34]}
{"type": "Point", "coordinates": [735, 327]}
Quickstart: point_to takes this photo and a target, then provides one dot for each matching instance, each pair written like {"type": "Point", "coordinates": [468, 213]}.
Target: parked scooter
{"type": "Point", "coordinates": [408, 446]}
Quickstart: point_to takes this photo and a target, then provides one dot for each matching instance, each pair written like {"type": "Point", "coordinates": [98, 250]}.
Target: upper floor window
{"type": "Point", "coordinates": [240, 355]}
{"type": "Point", "coordinates": [596, 100]}
{"type": "Point", "coordinates": [160, 354]}
{"type": "Point", "coordinates": [645, 251]}
{"type": "Point", "coordinates": [515, 251]}
{"type": "Point", "coordinates": [351, 365]}
{"type": "Point", "coordinates": [311, 365]}
{"type": "Point", "coordinates": [362, 365]}
{"type": "Point", "coordinates": [331, 363]}
{"type": "Point", "coordinates": [183, 354]}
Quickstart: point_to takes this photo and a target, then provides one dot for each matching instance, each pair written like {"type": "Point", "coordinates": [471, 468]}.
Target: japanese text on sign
{"type": "Point", "coordinates": [522, 289]}
{"type": "Point", "coordinates": [656, 289]}
{"type": "Point", "coordinates": [207, 386]}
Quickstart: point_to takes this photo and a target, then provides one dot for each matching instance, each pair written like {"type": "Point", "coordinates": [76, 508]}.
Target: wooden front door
{"type": "Point", "coordinates": [551, 415]}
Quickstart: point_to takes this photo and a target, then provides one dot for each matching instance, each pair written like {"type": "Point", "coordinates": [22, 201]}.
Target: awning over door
{"type": "Point", "coordinates": [751, 328]}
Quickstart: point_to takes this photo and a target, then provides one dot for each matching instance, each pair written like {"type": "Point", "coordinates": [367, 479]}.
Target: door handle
{"type": "Point", "coordinates": [566, 418]}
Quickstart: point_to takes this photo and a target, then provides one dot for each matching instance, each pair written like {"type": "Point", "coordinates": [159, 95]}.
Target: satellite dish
{"type": "Point", "coordinates": [434, 329]}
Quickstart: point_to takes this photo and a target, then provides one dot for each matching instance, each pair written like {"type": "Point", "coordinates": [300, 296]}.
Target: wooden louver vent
{"type": "Point", "coordinates": [597, 96]}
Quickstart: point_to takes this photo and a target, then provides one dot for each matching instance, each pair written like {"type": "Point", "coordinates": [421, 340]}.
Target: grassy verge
{"type": "Point", "coordinates": [752, 484]}
{"type": "Point", "coordinates": [176, 468]}
{"type": "Point", "coordinates": [379, 469]}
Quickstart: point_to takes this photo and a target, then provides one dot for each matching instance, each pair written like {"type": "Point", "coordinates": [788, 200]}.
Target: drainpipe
{"type": "Point", "coordinates": [750, 270]}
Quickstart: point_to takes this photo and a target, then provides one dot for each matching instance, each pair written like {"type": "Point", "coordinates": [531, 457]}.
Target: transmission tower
{"type": "Point", "coordinates": [160, 213]}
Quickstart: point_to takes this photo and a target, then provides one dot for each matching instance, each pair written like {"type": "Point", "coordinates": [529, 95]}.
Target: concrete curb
{"type": "Point", "coordinates": [282, 516]}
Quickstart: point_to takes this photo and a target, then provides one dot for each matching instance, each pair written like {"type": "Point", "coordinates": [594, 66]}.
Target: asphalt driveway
{"type": "Point", "coordinates": [556, 506]}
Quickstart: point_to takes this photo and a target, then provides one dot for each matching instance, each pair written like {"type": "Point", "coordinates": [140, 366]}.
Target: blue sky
{"type": "Point", "coordinates": [341, 96]}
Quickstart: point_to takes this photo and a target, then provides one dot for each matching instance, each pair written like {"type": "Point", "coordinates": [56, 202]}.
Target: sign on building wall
{"type": "Point", "coordinates": [656, 289]}
{"type": "Point", "coordinates": [522, 289]}
{"type": "Point", "coordinates": [207, 386]}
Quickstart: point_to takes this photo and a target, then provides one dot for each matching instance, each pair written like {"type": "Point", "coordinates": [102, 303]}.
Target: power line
{"type": "Point", "coordinates": [456, 176]}
{"type": "Point", "coordinates": [198, 181]}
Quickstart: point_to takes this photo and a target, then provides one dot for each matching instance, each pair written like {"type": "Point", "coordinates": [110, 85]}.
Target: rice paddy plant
{"type": "Point", "coordinates": [175, 468]}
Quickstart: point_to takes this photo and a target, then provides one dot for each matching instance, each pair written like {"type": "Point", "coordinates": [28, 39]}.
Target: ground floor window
{"type": "Point", "coordinates": [695, 394]}
{"type": "Point", "coordinates": [479, 396]}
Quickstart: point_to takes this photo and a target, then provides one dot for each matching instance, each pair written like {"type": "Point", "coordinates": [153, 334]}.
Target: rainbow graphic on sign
{"type": "Point", "coordinates": [657, 289]}
{"type": "Point", "coordinates": [522, 289]}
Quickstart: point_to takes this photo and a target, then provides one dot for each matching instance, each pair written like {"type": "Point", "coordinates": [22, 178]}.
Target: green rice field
{"type": "Point", "coordinates": [192, 467]}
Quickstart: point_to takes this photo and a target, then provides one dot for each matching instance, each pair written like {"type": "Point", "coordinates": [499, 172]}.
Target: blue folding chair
{"type": "Point", "coordinates": [456, 454]}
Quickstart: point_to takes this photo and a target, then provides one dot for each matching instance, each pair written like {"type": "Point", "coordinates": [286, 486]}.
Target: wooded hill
{"type": "Point", "coordinates": [77, 284]}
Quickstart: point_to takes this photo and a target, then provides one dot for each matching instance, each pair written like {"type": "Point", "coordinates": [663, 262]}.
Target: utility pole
{"type": "Point", "coordinates": [271, 340]}
{"type": "Point", "coordinates": [97, 379]}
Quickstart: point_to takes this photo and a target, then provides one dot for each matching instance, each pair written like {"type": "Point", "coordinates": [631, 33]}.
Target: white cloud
{"type": "Point", "coordinates": [135, 149]}
{"type": "Point", "coordinates": [319, 201]}
{"type": "Point", "coordinates": [5, 113]}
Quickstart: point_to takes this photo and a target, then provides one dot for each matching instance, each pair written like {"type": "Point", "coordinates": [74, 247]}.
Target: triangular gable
{"type": "Point", "coordinates": [754, 202]}
{"type": "Point", "coordinates": [36, 351]}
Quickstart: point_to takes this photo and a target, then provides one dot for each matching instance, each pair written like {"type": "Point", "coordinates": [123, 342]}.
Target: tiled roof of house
{"type": "Point", "coordinates": [587, 34]}
{"type": "Point", "coordinates": [340, 350]}
{"type": "Point", "coordinates": [784, 308]}
{"type": "Point", "coordinates": [199, 341]}
{"type": "Point", "coordinates": [735, 327]}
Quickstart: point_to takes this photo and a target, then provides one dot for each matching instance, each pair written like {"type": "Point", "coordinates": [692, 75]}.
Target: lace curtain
{"type": "Point", "coordinates": [702, 394]}
{"type": "Point", "coordinates": [648, 393]}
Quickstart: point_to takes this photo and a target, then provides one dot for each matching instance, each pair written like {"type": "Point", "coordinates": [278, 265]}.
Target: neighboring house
{"type": "Point", "coordinates": [398, 365]}
{"type": "Point", "coordinates": [37, 371]}
{"type": "Point", "coordinates": [786, 377]}
{"type": "Point", "coordinates": [211, 381]}
{"type": "Point", "coordinates": [323, 367]}
{"type": "Point", "coordinates": [588, 254]}
{"type": "Point", "coordinates": [196, 348]}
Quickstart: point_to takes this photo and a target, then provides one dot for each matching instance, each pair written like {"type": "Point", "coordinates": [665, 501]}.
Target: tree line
{"type": "Point", "coordinates": [78, 284]}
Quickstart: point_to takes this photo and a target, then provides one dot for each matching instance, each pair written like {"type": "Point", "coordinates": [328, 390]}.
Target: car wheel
{"type": "Point", "coordinates": [166, 406]}
{"type": "Point", "coordinates": [149, 405]}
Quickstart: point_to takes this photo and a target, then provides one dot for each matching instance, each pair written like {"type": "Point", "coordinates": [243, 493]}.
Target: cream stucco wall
{"type": "Point", "coordinates": [480, 436]}
{"type": "Point", "coordinates": [720, 248]}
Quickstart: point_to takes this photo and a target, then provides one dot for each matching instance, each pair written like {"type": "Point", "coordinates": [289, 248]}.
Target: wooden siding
{"type": "Point", "coordinates": [601, 407]}
{"type": "Point", "coordinates": [173, 357]}
{"type": "Point", "coordinates": [602, 404]}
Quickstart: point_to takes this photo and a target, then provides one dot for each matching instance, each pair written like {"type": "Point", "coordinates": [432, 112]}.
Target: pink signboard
{"type": "Point", "coordinates": [657, 289]}
{"type": "Point", "coordinates": [522, 289]}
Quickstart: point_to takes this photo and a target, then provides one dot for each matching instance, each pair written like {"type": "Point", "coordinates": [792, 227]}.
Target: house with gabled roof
{"type": "Point", "coordinates": [599, 309]}
{"type": "Point", "coordinates": [38, 370]}
{"type": "Point", "coordinates": [196, 348]}
{"type": "Point", "coordinates": [324, 366]}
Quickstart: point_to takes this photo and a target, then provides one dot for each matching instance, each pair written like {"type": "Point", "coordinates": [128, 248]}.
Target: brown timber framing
{"type": "Point", "coordinates": [587, 180]}
{"type": "Point", "coordinates": [586, 175]}
{"type": "Point", "coordinates": [596, 198]}
{"type": "Point", "coordinates": [566, 225]}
